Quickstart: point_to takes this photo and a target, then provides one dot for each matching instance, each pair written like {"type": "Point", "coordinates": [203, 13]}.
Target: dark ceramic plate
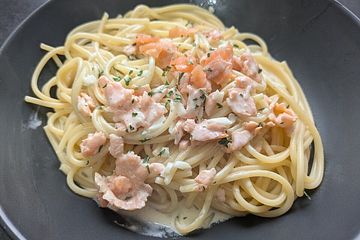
{"type": "Point", "coordinates": [319, 39]}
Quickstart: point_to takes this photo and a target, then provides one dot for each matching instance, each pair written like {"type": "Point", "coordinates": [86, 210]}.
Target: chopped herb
{"type": "Point", "coordinates": [212, 49]}
{"type": "Point", "coordinates": [260, 70]}
{"type": "Point", "coordinates": [128, 198]}
{"type": "Point", "coordinates": [196, 106]}
{"type": "Point", "coordinates": [166, 83]}
{"type": "Point", "coordinates": [167, 103]}
{"type": "Point", "coordinates": [104, 85]}
{"type": "Point", "coordinates": [144, 140]}
{"type": "Point", "coordinates": [127, 80]}
{"type": "Point", "coordinates": [146, 159]}
{"type": "Point", "coordinates": [130, 72]}
{"type": "Point", "coordinates": [150, 93]}
{"type": "Point", "coordinates": [195, 99]}
{"type": "Point", "coordinates": [181, 75]}
{"type": "Point", "coordinates": [140, 73]}
{"type": "Point", "coordinates": [131, 127]}
{"type": "Point", "coordinates": [224, 142]}
{"type": "Point", "coordinates": [260, 124]}
{"type": "Point", "coordinates": [134, 114]}
{"type": "Point", "coordinates": [190, 62]}
{"type": "Point", "coordinates": [100, 148]}
{"type": "Point", "coordinates": [165, 70]}
{"type": "Point", "coordinates": [146, 162]}
{"type": "Point", "coordinates": [133, 100]}
{"type": "Point", "coordinates": [208, 54]}
{"type": "Point", "coordinates": [209, 70]}
{"type": "Point", "coordinates": [117, 79]}
{"type": "Point", "coordinates": [87, 162]}
{"type": "Point", "coordinates": [219, 105]}
{"type": "Point", "coordinates": [235, 45]}
{"type": "Point", "coordinates": [170, 93]}
{"type": "Point", "coordinates": [187, 24]}
{"type": "Point", "coordinates": [162, 151]}
{"type": "Point", "coordinates": [177, 98]}
{"type": "Point", "coordinates": [134, 44]}
{"type": "Point", "coordinates": [184, 218]}
{"type": "Point", "coordinates": [288, 106]}
{"type": "Point", "coordinates": [281, 123]}
{"type": "Point", "coordinates": [241, 95]}
{"type": "Point", "coordinates": [101, 72]}
{"type": "Point", "coordinates": [202, 96]}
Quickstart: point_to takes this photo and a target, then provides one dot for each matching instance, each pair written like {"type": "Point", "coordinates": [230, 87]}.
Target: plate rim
{"type": "Point", "coordinates": [5, 223]}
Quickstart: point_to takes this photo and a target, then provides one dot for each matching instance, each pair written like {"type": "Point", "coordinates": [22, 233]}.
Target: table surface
{"type": "Point", "coordinates": [13, 12]}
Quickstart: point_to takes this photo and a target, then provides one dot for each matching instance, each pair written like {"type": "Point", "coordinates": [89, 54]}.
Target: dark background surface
{"type": "Point", "coordinates": [13, 12]}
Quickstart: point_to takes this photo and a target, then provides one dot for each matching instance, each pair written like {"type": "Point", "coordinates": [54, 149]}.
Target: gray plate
{"type": "Point", "coordinates": [319, 39]}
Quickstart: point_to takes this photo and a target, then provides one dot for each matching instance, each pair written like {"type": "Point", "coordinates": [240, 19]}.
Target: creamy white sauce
{"type": "Point", "coordinates": [151, 222]}
{"type": "Point", "coordinates": [34, 121]}
{"type": "Point", "coordinates": [89, 80]}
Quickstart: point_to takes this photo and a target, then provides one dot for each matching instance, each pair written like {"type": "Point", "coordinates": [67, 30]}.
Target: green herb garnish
{"type": "Point", "coordinates": [219, 105]}
{"type": "Point", "coordinates": [170, 93]}
{"type": "Point", "coordinates": [127, 80]}
{"type": "Point", "coordinates": [165, 70]}
{"type": "Point", "coordinates": [101, 72]}
{"type": "Point", "coordinates": [177, 98]}
{"type": "Point", "coordinates": [140, 73]}
{"type": "Point", "coordinates": [180, 76]}
{"type": "Point", "coordinates": [162, 151]}
{"type": "Point", "coordinates": [225, 142]}
{"type": "Point", "coordinates": [167, 103]}
{"type": "Point", "coordinates": [134, 114]}
{"type": "Point", "coordinates": [117, 79]}
{"type": "Point", "coordinates": [146, 159]}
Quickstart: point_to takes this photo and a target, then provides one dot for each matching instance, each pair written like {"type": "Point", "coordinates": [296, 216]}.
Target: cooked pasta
{"type": "Point", "coordinates": [166, 106]}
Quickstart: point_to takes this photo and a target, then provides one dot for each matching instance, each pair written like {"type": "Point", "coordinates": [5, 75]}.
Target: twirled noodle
{"type": "Point", "coordinates": [262, 178]}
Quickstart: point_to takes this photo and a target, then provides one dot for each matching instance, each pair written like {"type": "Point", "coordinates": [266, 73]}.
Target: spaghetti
{"type": "Point", "coordinates": [166, 105]}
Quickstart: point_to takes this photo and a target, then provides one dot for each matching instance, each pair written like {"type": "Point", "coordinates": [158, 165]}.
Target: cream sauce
{"type": "Point", "coordinates": [151, 222]}
{"type": "Point", "coordinates": [34, 122]}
